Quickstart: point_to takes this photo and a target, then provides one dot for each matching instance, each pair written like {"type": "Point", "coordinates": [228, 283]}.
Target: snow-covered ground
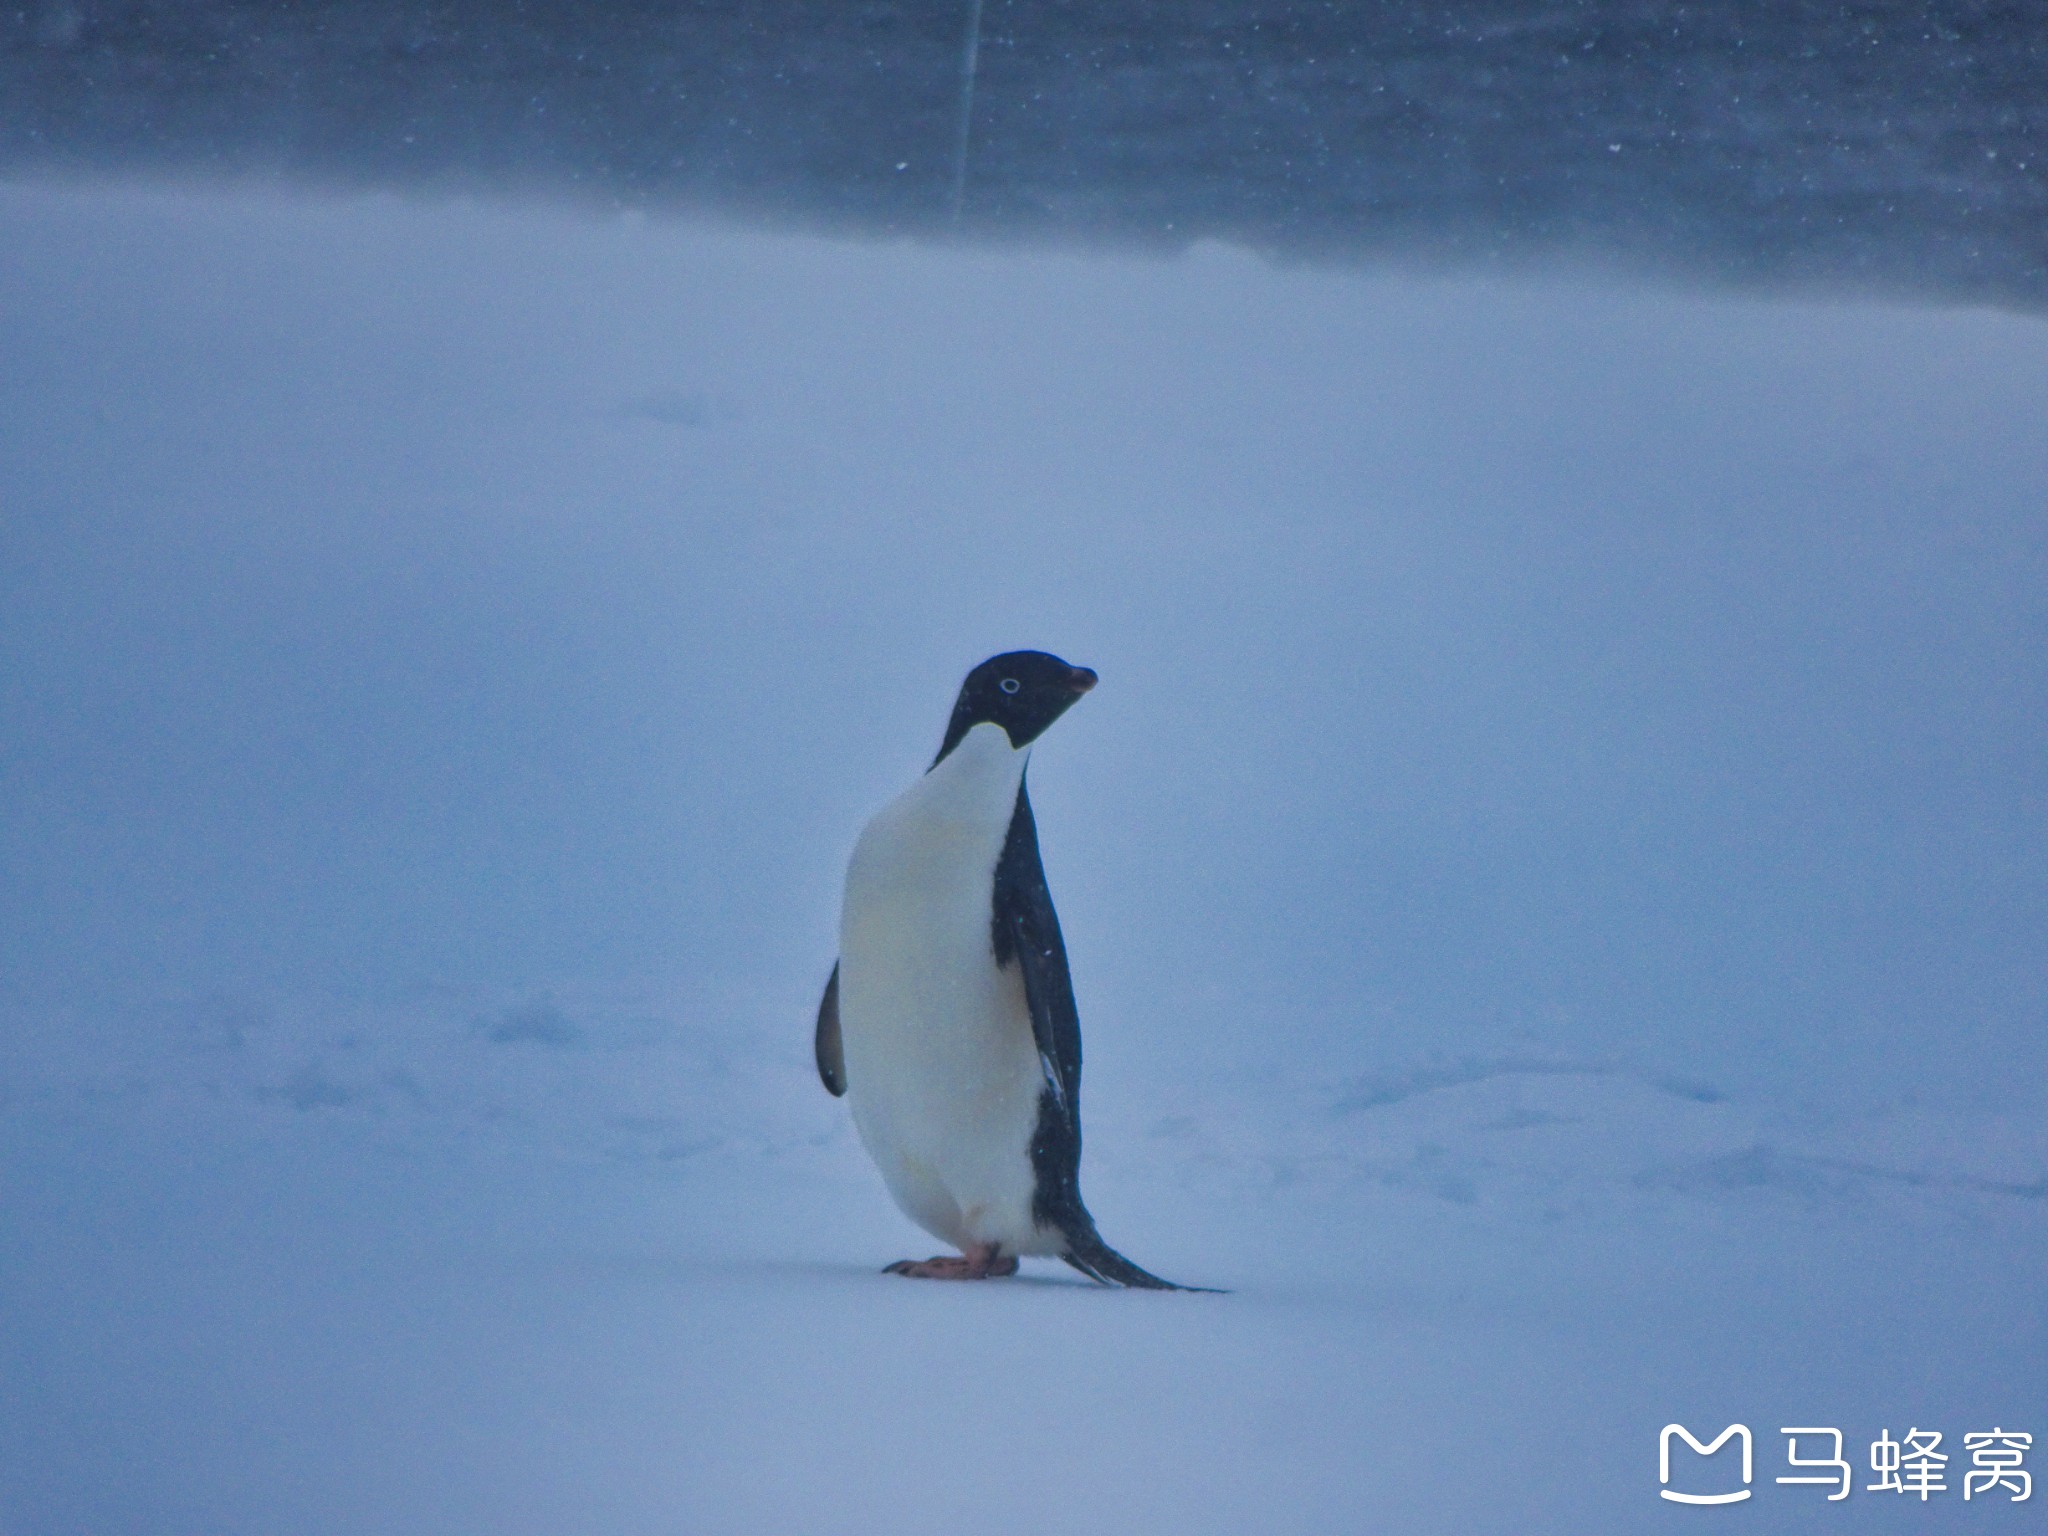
{"type": "Point", "coordinates": [1554, 872]}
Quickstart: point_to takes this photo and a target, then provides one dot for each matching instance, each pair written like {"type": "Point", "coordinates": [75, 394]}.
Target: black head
{"type": "Point", "coordinates": [1022, 691]}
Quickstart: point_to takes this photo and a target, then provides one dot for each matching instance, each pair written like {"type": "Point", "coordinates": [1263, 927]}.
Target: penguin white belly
{"type": "Point", "coordinates": [942, 1071]}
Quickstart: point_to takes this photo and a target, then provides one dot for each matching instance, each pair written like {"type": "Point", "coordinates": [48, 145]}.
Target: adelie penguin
{"type": "Point", "coordinates": [949, 1022]}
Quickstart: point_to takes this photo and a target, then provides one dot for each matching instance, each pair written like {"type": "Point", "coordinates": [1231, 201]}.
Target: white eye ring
{"type": "Point", "coordinates": [1009, 685]}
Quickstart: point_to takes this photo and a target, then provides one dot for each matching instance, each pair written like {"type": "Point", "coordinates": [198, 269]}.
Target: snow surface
{"type": "Point", "coordinates": [1555, 874]}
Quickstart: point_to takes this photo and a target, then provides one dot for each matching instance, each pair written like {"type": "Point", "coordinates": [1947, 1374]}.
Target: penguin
{"type": "Point", "coordinates": [949, 1021]}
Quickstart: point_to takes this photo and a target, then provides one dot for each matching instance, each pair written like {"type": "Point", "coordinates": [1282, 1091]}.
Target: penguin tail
{"type": "Point", "coordinates": [1088, 1253]}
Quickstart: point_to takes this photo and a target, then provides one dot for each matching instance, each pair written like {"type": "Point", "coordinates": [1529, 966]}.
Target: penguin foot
{"type": "Point", "coordinates": [983, 1261]}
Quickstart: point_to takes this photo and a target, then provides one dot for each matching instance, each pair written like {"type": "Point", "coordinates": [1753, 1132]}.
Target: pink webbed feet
{"type": "Point", "coordinates": [983, 1261]}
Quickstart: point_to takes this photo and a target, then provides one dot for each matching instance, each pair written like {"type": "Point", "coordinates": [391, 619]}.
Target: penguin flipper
{"type": "Point", "coordinates": [831, 1055]}
{"type": "Point", "coordinates": [1026, 933]}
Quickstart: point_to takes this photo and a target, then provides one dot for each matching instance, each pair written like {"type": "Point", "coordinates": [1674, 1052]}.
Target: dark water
{"type": "Point", "coordinates": [1887, 144]}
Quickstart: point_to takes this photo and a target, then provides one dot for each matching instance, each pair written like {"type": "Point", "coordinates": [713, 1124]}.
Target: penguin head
{"type": "Point", "coordinates": [1022, 691]}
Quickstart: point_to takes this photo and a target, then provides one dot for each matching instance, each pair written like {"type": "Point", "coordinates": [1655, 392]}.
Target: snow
{"type": "Point", "coordinates": [1554, 875]}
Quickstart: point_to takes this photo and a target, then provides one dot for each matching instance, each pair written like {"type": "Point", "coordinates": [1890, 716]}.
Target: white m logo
{"type": "Point", "coordinates": [1664, 1463]}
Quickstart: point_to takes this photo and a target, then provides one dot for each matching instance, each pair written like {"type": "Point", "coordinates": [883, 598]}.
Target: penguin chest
{"type": "Point", "coordinates": [942, 1069]}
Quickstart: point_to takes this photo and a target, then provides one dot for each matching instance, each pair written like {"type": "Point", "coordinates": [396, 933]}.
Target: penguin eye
{"type": "Point", "coordinates": [1008, 685]}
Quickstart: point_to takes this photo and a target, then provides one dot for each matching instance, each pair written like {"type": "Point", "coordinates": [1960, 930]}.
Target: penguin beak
{"type": "Point", "coordinates": [1081, 679]}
